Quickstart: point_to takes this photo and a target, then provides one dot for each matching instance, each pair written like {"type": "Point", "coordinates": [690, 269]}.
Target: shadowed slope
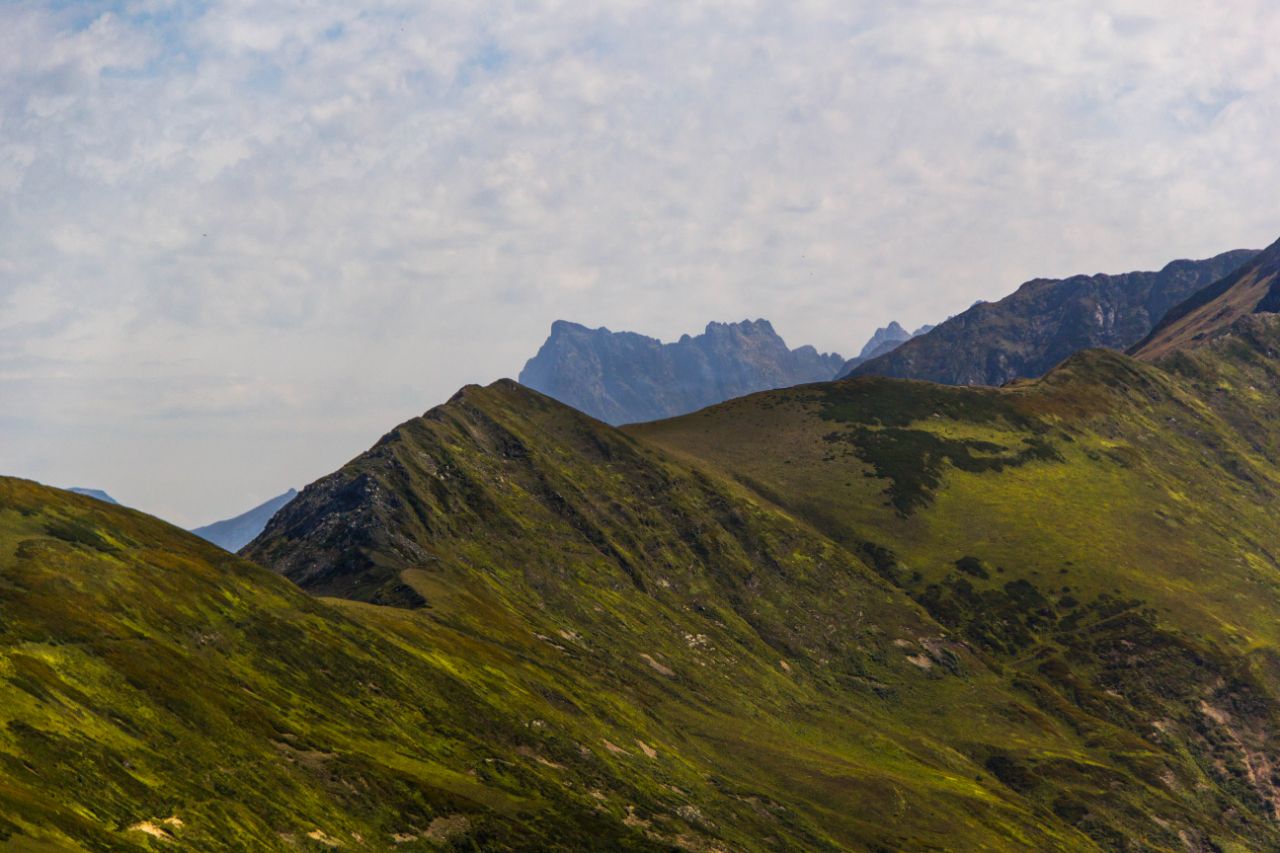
{"type": "Point", "coordinates": [1252, 289]}
{"type": "Point", "coordinates": [153, 687]}
{"type": "Point", "coordinates": [1046, 320]}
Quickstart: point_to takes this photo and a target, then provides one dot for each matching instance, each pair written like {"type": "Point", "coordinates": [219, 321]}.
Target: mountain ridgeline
{"type": "Point", "coordinates": [846, 577]}
{"type": "Point", "coordinates": [1252, 289]}
{"type": "Point", "coordinates": [863, 614]}
{"type": "Point", "coordinates": [1045, 321]}
{"type": "Point", "coordinates": [885, 340]}
{"type": "Point", "coordinates": [623, 377]}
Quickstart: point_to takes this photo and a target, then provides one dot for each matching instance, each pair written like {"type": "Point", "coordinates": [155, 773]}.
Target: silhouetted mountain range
{"type": "Point", "coordinates": [623, 377]}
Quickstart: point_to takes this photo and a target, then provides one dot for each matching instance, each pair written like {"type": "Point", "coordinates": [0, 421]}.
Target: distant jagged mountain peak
{"type": "Point", "coordinates": [625, 377]}
{"type": "Point", "coordinates": [885, 340]}
{"type": "Point", "coordinates": [1046, 320]}
{"type": "Point", "coordinates": [890, 335]}
{"type": "Point", "coordinates": [1252, 289]}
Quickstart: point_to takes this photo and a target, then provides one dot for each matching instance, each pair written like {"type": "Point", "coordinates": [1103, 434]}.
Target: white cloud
{"type": "Point", "coordinates": [240, 239]}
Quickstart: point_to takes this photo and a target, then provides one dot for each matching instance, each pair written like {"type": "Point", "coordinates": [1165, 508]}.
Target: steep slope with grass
{"type": "Point", "coordinates": [1107, 530]}
{"type": "Point", "coordinates": [955, 617]}
{"type": "Point", "coordinates": [1045, 321]}
{"type": "Point", "coordinates": [155, 690]}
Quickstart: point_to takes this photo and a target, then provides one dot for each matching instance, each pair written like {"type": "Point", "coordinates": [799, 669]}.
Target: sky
{"type": "Point", "coordinates": [239, 241]}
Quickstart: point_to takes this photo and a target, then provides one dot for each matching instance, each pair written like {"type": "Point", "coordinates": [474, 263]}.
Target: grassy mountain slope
{"type": "Point", "coordinates": [980, 674]}
{"type": "Point", "coordinates": [156, 690]}
{"type": "Point", "coordinates": [1106, 530]}
{"type": "Point", "coordinates": [712, 617]}
{"type": "Point", "coordinates": [869, 615]}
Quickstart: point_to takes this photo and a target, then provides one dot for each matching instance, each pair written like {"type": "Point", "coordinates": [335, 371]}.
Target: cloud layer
{"type": "Point", "coordinates": [238, 240]}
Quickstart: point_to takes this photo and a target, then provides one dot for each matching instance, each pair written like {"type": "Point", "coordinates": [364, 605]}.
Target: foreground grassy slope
{"type": "Point", "coordinates": [1108, 529]}
{"type": "Point", "coordinates": [156, 690]}
{"type": "Point", "coordinates": [740, 580]}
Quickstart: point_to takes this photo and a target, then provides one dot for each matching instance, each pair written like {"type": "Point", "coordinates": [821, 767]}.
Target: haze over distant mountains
{"type": "Point", "coordinates": [233, 534]}
{"type": "Point", "coordinates": [623, 377]}
{"type": "Point", "coordinates": [1046, 320]}
{"type": "Point", "coordinates": [885, 340]}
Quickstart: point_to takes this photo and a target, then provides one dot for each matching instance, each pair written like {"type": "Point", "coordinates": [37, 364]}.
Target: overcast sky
{"type": "Point", "coordinates": [241, 240]}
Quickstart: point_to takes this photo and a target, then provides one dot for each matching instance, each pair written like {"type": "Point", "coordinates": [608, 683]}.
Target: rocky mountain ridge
{"type": "Point", "coordinates": [1050, 643]}
{"type": "Point", "coordinates": [1252, 289]}
{"type": "Point", "coordinates": [1046, 320]}
{"type": "Point", "coordinates": [623, 377]}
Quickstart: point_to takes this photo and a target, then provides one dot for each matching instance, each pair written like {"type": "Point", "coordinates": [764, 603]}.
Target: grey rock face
{"type": "Point", "coordinates": [622, 377]}
{"type": "Point", "coordinates": [1030, 331]}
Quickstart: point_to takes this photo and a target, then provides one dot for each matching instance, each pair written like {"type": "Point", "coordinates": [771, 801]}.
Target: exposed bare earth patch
{"type": "Point", "coordinates": [444, 828]}
{"type": "Point", "coordinates": [659, 667]}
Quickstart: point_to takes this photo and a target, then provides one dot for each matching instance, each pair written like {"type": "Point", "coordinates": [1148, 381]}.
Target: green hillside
{"type": "Point", "coordinates": [158, 691]}
{"type": "Point", "coordinates": [868, 615]}
{"type": "Point", "coordinates": [155, 690]}
{"type": "Point", "coordinates": [1091, 553]}
{"type": "Point", "coordinates": [1108, 531]}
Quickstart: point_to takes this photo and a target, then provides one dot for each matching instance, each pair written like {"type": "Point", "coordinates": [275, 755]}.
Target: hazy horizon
{"type": "Point", "coordinates": [243, 240]}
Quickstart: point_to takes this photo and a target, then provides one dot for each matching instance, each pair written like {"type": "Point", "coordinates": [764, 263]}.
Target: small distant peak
{"type": "Point", "coordinates": [568, 327]}
{"type": "Point", "coordinates": [894, 328]}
